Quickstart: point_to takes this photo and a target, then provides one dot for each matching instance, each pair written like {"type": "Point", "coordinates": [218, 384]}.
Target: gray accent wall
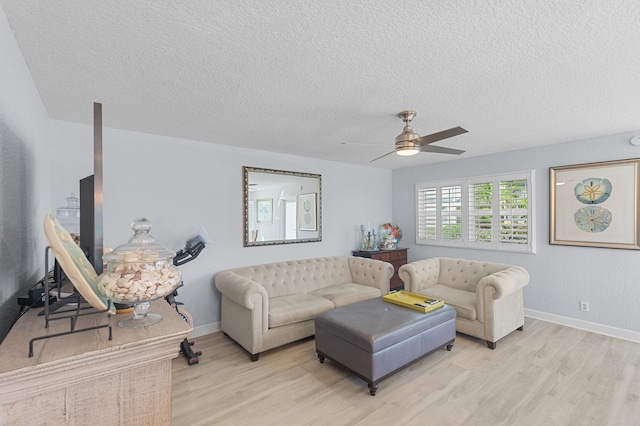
{"type": "Point", "coordinates": [561, 276]}
{"type": "Point", "coordinates": [24, 177]}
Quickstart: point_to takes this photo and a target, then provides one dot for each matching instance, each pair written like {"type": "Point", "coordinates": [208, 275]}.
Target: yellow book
{"type": "Point", "coordinates": [413, 301]}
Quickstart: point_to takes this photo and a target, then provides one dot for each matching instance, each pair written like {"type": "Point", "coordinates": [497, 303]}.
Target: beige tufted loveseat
{"type": "Point", "coordinates": [266, 306]}
{"type": "Point", "coordinates": [486, 296]}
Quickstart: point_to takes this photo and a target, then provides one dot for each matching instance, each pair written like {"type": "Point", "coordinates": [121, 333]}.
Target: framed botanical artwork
{"type": "Point", "coordinates": [307, 213]}
{"type": "Point", "coordinates": [595, 205]}
{"type": "Point", "coordinates": [264, 210]}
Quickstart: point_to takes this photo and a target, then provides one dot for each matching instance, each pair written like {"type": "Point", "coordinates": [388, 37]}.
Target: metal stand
{"type": "Point", "coordinates": [73, 306]}
{"type": "Point", "coordinates": [190, 252]}
{"type": "Point", "coordinates": [185, 346]}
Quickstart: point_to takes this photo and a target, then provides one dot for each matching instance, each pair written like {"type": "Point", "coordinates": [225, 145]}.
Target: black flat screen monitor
{"type": "Point", "coordinates": [91, 240]}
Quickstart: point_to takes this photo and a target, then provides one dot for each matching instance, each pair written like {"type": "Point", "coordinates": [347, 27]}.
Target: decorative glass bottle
{"type": "Point", "coordinates": [363, 239]}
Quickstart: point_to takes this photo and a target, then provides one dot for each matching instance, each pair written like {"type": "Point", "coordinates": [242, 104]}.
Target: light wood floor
{"type": "Point", "coordinates": [546, 375]}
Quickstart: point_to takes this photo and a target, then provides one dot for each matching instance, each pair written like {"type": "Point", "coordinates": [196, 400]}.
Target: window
{"type": "Point", "coordinates": [489, 212]}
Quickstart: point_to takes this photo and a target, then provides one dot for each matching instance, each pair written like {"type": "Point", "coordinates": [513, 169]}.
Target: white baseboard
{"type": "Point", "coordinates": [607, 330]}
{"type": "Point", "coordinates": [201, 330]}
{"type": "Point", "coordinates": [593, 327]}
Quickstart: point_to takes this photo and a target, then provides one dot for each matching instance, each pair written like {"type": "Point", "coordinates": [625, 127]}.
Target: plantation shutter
{"type": "Point", "coordinates": [480, 217]}
{"type": "Point", "coordinates": [427, 213]}
{"type": "Point", "coordinates": [490, 212]}
{"type": "Point", "coordinates": [514, 212]}
{"type": "Point", "coordinates": [451, 199]}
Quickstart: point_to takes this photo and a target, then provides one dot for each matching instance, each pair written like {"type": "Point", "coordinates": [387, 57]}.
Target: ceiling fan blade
{"type": "Point", "coordinates": [388, 153]}
{"type": "Point", "coordinates": [441, 150]}
{"type": "Point", "coordinates": [434, 137]}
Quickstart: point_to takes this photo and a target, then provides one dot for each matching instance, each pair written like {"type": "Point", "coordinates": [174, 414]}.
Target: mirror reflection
{"type": "Point", "coordinates": [281, 207]}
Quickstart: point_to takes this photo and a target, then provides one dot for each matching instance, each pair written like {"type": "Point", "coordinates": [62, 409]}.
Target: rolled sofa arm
{"type": "Point", "coordinates": [241, 289]}
{"type": "Point", "coordinates": [371, 272]}
{"type": "Point", "coordinates": [504, 282]}
{"type": "Point", "coordinates": [420, 274]}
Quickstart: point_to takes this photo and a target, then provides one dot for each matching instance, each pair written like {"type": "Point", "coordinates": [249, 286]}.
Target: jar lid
{"type": "Point", "coordinates": [142, 247]}
{"type": "Point", "coordinates": [72, 203]}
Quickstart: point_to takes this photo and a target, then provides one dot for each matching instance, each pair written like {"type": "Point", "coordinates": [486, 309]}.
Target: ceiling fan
{"type": "Point", "coordinates": [410, 143]}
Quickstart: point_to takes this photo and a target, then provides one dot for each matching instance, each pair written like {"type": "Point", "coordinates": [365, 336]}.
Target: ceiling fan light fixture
{"type": "Point", "coordinates": [406, 149]}
{"type": "Point", "coordinates": [406, 144]}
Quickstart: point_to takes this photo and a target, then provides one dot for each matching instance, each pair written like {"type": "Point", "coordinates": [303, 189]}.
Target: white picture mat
{"type": "Point", "coordinates": [307, 212]}
{"type": "Point", "coordinates": [621, 204]}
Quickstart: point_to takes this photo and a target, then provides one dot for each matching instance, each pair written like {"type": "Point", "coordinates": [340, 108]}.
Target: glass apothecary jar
{"type": "Point", "coordinates": [69, 216]}
{"type": "Point", "coordinates": [138, 272]}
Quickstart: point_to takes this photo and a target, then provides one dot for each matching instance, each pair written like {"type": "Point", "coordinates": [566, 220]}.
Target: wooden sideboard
{"type": "Point", "coordinates": [85, 379]}
{"type": "Point", "coordinates": [397, 257]}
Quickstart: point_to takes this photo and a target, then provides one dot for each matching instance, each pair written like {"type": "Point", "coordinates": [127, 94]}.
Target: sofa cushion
{"type": "Point", "coordinates": [344, 294]}
{"type": "Point", "coordinates": [464, 302]}
{"type": "Point", "coordinates": [296, 307]}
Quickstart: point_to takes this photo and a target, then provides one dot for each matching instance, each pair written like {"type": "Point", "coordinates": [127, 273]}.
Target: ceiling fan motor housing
{"type": "Point", "coordinates": [406, 143]}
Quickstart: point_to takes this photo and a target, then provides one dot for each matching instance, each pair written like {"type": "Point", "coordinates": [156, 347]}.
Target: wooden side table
{"type": "Point", "coordinates": [397, 257]}
{"type": "Point", "coordinates": [85, 379]}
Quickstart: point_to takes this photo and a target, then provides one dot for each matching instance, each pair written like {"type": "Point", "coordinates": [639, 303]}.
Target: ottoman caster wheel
{"type": "Point", "coordinates": [449, 347]}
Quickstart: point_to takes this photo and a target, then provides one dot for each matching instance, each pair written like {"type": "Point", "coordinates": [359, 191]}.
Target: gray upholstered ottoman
{"type": "Point", "coordinates": [374, 338]}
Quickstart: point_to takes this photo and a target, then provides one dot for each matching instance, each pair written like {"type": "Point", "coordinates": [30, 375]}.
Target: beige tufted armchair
{"type": "Point", "coordinates": [487, 296]}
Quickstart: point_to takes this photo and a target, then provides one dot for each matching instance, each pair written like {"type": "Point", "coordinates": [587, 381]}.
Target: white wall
{"type": "Point", "coordinates": [24, 177]}
{"type": "Point", "coordinates": [182, 184]}
{"type": "Point", "coordinates": [561, 276]}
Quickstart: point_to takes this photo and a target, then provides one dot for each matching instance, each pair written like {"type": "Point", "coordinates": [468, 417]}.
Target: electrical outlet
{"type": "Point", "coordinates": [584, 306]}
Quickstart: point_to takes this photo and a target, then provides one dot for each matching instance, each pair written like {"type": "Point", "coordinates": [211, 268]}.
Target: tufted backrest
{"type": "Point", "coordinates": [464, 274]}
{"type": "Point", "coordinates": [298, 276]}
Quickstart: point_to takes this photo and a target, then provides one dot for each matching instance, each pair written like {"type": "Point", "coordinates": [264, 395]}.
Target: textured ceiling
{"type": "Point", "coordinates": [304, 77]}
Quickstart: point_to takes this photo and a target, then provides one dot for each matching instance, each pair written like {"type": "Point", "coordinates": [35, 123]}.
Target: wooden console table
{"type": "Point", "coordinates": [397, 257]}
{"type": "Point", "coordinates": [85, 379]}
